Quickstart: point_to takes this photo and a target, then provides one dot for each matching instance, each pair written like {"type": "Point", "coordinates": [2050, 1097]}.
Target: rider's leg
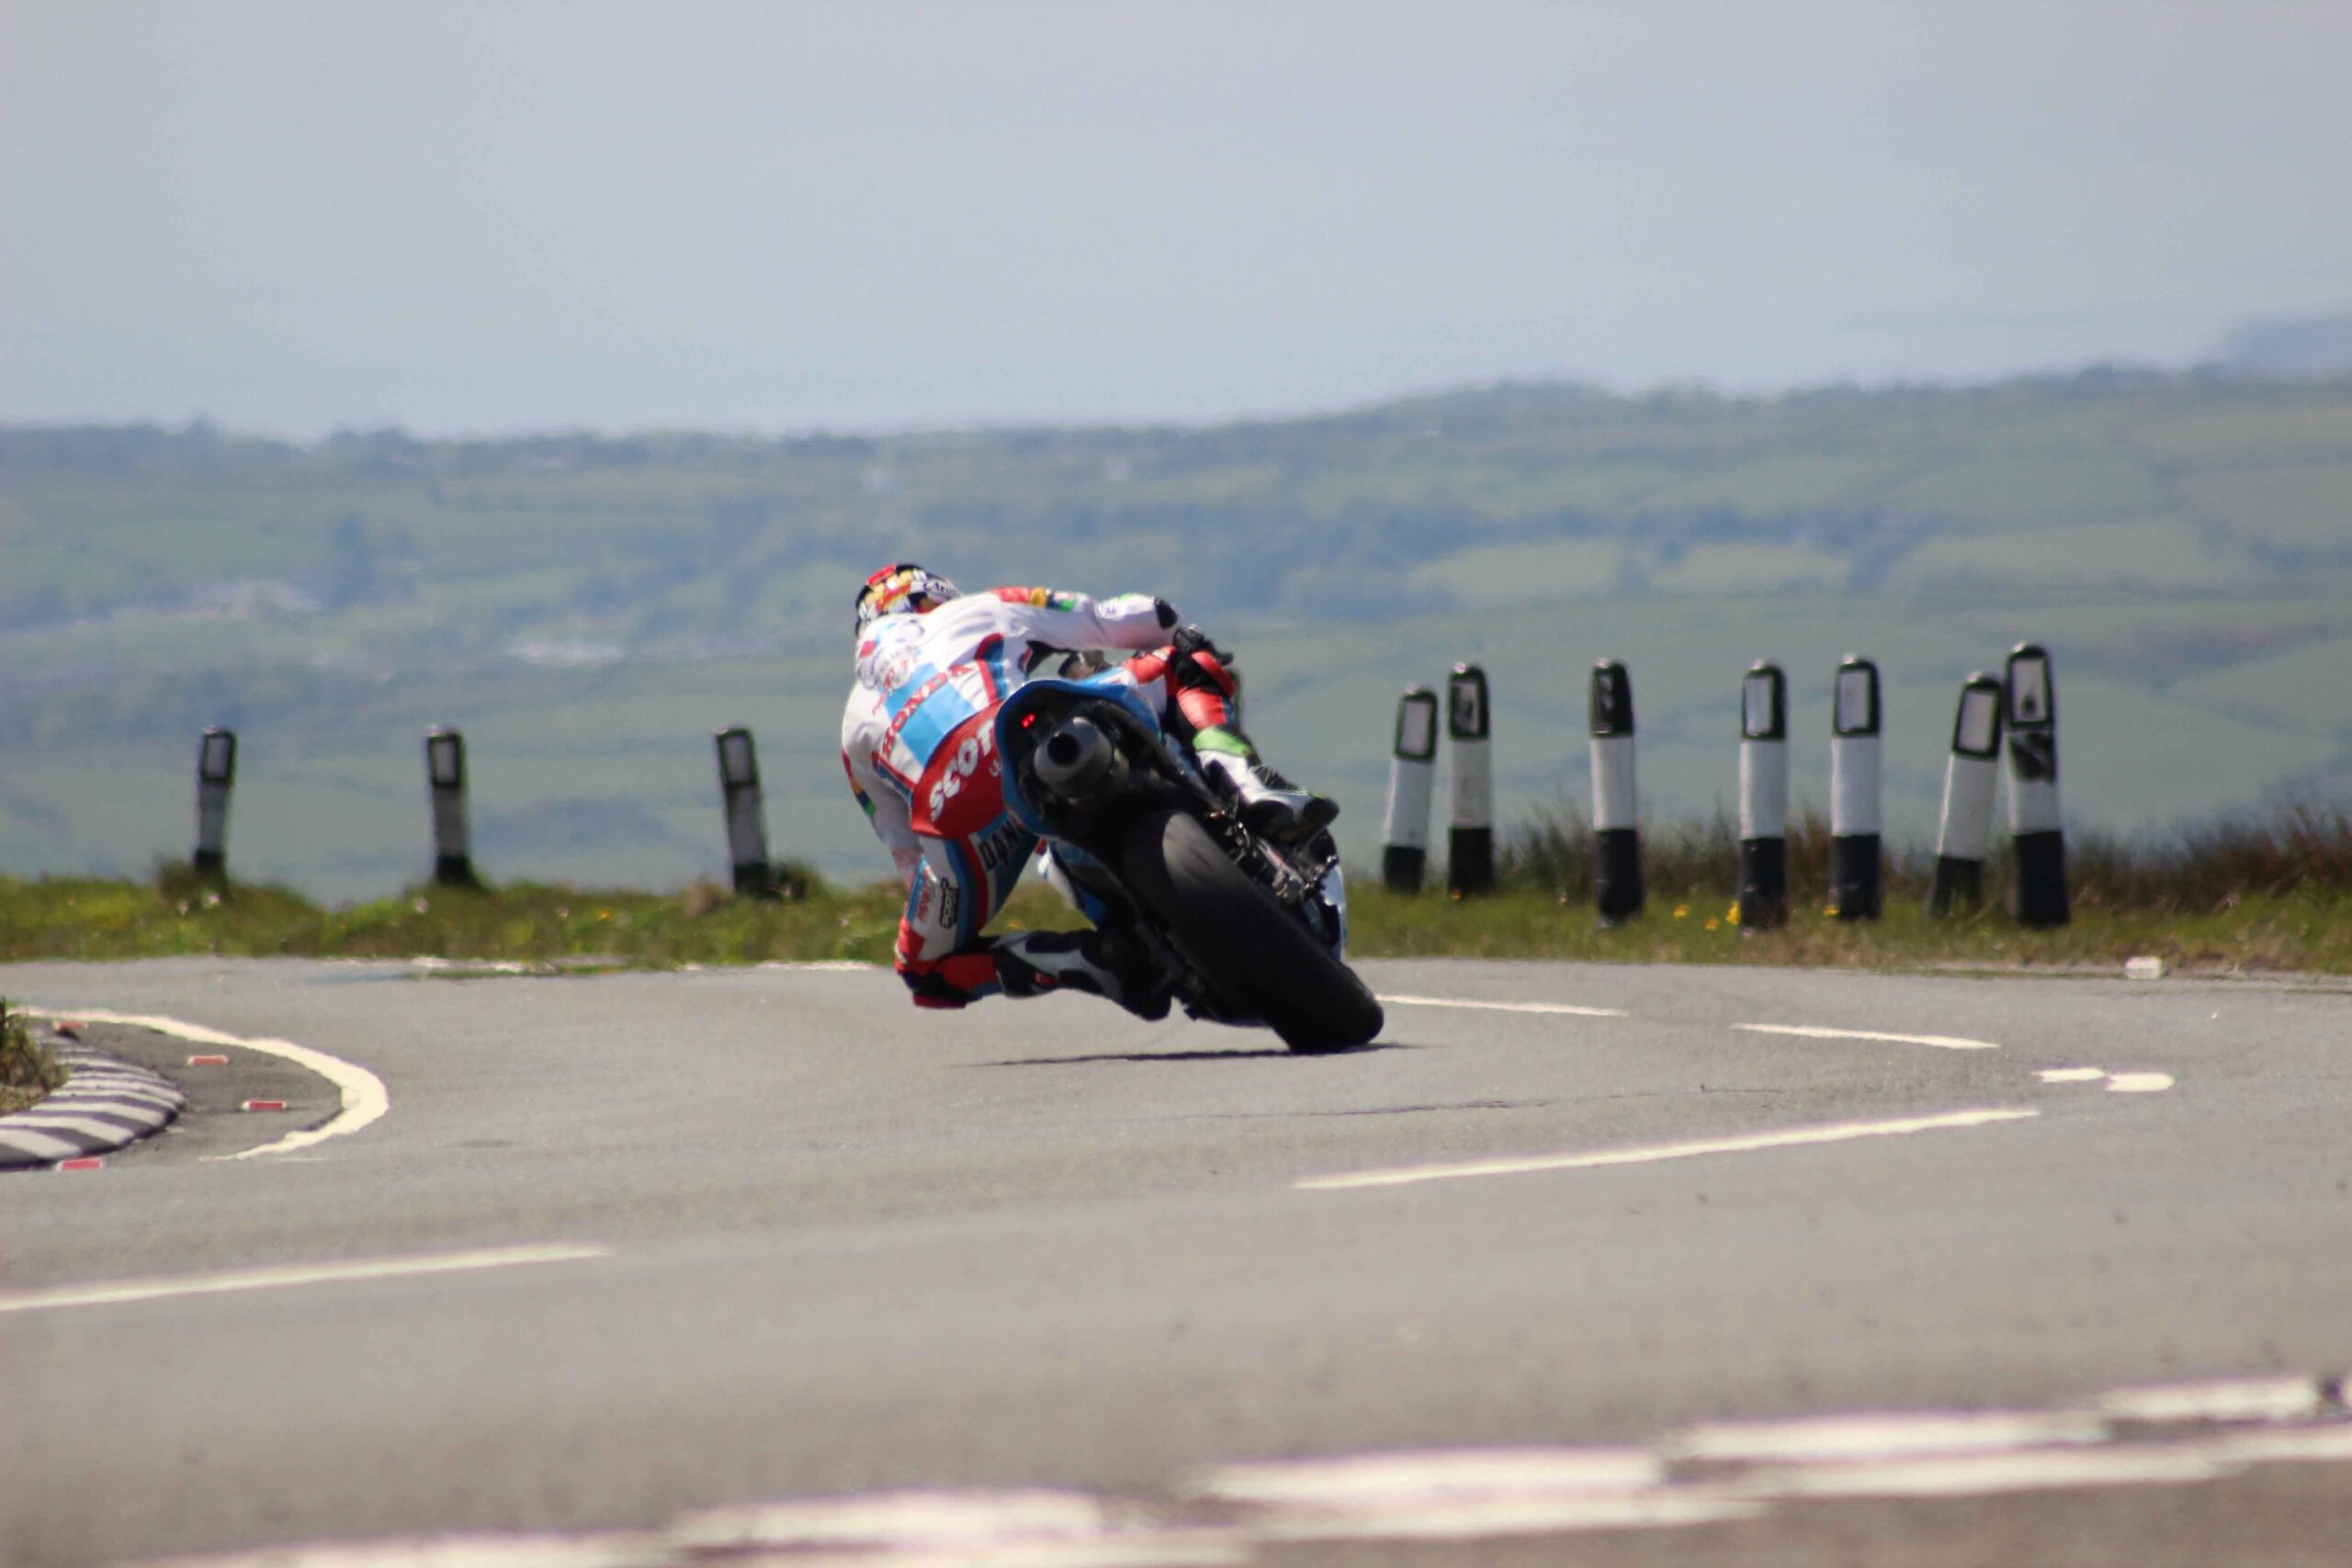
{"type": "Point", "coordinates": [1202, 690]}
{"type": "Point", "coordinates": [947, 964]}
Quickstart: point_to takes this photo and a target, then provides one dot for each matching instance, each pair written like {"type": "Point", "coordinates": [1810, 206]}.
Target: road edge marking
{"type": "Point", "coordinates": [282, 1276]}
{"type": "Point", "coordinates": [365, 1098]}
{"type": "Point", "coordinates": [1564, 1007]}
{"type": "Point", "coordinates": [1796, 1137]}
{"type": "Point", "coordinates": [1816, 1031]}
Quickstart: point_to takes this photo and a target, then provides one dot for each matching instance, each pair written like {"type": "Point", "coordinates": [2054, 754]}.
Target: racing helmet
{"type": "Point", "coordinates": [901, 589]}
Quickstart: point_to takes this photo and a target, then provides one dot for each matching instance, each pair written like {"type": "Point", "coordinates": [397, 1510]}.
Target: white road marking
{"type": "Point", "coordinates": [1016, 1528]}
{"type": "Point", "coordinates": [2071, 1075]}
{"type": "Point", "coordinates": [2236, 1399]}
{"type": "Point", "coordinates": [1839, 1439]}
{"type": "Point", "coordinates": [364, 1096]}
{"type": "Point", "coordinates": [1564, 1007]}
{"type": "Point", "coordinates": [443, 1551]}
{"type": "Point", "coordinates": [2138, 1083]}
{"type": "Point", "coordinates": [285, 1276]}
{"type": "Point", "coordinates": [1749, 1144]}
{"type": "Point", "coordinates": [1513, 1515]}
{"type": "Point", "coordinates": [1445, 1475]}
{"type": "Point", "coordinates": [1815, 1031]}
{"type": "Point", "coordinates": [1972, 1475]}
{"type": "Point", "coordinates": [896, 1518]}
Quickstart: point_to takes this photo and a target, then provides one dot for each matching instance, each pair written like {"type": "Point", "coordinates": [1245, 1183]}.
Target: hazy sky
{"type": "Point", "coordinates": [779, 216]}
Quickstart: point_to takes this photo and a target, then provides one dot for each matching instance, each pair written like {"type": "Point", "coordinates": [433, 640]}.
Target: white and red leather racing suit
{"type": "Point", "coordinates": [918, 741]}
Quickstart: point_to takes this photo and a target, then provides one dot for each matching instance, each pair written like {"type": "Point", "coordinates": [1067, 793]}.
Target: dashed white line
{"type": "Point", "coordinates": [1564, 1007]}
{"type": "Point", "coordinates": [1749, 1144]}
{"type": "Point", "coordinates": [1967, 1475]}
{"type": "Point", "coordinates": [2071, 1075]}
{"type": "Point", "coordinates": [2138, 1083]}
{"type": "Point", "coordinates": [1815, 1031]}
{"type": "Point", "coordinates": [1846, 1438]}
{"type": "Point", "coordinates": [364, 1096]}
{"type": "Point", "coordinates": [123, 1291]}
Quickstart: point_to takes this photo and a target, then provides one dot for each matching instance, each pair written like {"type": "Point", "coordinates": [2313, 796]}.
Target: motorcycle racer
{"type": "Point", "coordinates": [917, 743]}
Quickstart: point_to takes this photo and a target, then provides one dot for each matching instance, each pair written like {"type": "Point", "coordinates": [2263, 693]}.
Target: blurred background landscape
{"type": "Point", "coordinates": [546, 373]}
{"type": "Point", "coordinates": [589, 610]}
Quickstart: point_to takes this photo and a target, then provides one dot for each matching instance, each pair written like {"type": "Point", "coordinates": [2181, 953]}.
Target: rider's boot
{"type": "Point", "coordinates": [1272, 805]}
{"type": "Point", "coordinates": [1036, 962]}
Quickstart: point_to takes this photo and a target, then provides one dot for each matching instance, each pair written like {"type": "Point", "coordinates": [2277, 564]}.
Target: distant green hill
{"type": "Point", "coordinates": [589, 608]}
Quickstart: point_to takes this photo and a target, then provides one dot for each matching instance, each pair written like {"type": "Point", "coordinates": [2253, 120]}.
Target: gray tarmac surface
{"type": "Point", "coordinates": [844, 1246]}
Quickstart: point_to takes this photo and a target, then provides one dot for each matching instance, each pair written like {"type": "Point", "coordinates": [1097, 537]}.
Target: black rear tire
{"type": "Point", "coordinates": [1234, 932]}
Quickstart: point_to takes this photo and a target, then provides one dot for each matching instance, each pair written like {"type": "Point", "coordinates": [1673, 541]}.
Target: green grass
{"type": "Point", "coordinates": [28, 1072]}
{"type": "Point", "coordinates": [2270, 893]}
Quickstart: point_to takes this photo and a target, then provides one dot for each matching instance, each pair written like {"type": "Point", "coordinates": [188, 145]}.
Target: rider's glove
{"type": "Point", "coordinates": [1200, 664]}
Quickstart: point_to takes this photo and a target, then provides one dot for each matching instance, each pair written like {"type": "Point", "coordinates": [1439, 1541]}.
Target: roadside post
{"type": "Point", "coordinates": [1854, 841]}
{"type": "Point", "coordinates": [216, 773]}
{"type": "Point", "coordinates": [1966, 832]}
{"type": "Point", "coordinates": [1412, 767]}
{"type": "Point", "coordinates": [1470, 844]}
{"type": "Point", "coordinates": [1763, 797]}
{"type": "Point", "coordinates": [444, 776]}
{"type": "Point", "coordinates": [746, 815]}
{"type": "Point", "coordinates": [1617, 889]}
{"type": "Point", "coordinates": [2036, 837]}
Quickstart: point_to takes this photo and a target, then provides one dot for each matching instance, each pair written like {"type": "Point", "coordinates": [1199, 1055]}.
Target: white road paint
{"type": "Point", "coordinates": [2117, 1083]}
{"type": "Point", "coordinates": [1816, 1031]}
{"type": "Point", "coordinates": [1976, 1476]}
{"type": "Point", "coordinates": [1445, 1475]}
{"type": "Point", "coordinates": [2138, 1083]}
{"type": "Point", "coordinates": [1015, 1529]}
{"type": "Point", "coordinates": [363, 1094]}
{"type": "Point", "coordinates": [1842, 1440]}
{"type": "Point", "coordinates": [289, 1276]}
{"type": "Point", "coordinates": [1561, 1007]}
{"type": "Point", "coordinates": [1494, 1517]}
{"type": "Point", "coordinates": [2236, 1399]}
{"type": "Point", "coordinates": [443, 1551]}
{"type": "Point", "coordinates": [1796, 1137]}
{"type": "Point", "coordinates": [2170, 1435]}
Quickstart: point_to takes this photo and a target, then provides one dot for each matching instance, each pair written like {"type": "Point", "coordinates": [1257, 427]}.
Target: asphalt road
{"type": "Point", "coordinates": [630, 1249]}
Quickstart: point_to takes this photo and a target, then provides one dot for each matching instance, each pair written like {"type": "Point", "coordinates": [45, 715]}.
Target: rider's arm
{"type": "Point", "coordinates": [1130, 621]}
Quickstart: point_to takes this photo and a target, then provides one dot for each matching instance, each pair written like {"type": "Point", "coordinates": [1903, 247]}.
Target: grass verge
{"type": "Point", "coordinates": [28, 1072]}
{"type": "Point", "coordinates": [2304, 927]}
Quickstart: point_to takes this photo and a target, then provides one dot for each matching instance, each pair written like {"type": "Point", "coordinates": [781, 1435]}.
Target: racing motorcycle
{"type": "Point", "coordinates": [1247, 932]}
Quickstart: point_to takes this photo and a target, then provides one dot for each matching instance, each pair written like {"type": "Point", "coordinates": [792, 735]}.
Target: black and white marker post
{"type": "Point", "coordinates": [1763, 799]}
{"type": "Point", "coordinates": [747, 821]}
{"type": "Point", "coordinates": [1854, 884]}
{"type": "Point", "coordinates": [1966, 832]}
{"type": "Point", "coordinates": [1470, 845]}
{"type": "Point", "coordinates": [444, 776]}
{"type": "Point", "coordinates": [2035, 835]}
{"type": "Point", "coordinates": [1617, 889]}
{"type": "Point", "coordinates": [1412, 769]}
{"type": "Point", "coordinates": [216, 773]}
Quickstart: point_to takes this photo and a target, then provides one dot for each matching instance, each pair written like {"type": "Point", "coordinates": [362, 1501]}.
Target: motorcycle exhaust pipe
{"type": "Point", "coordinates": [1078, 763]}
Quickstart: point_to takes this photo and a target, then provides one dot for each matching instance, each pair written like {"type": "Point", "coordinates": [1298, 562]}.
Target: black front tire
{"type": "Point", "coordinates": [1260, 958]}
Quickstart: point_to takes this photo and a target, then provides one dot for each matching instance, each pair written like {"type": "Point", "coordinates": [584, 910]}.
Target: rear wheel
{"type": "Point", "coordinates": [1234, 932]}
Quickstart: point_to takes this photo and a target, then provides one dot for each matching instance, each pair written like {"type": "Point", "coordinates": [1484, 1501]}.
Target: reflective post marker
{"type": "Point", "coordinates": [2035, 837]}
{"type": "Point", "coordinates": [1763, 799]}
{"type": "Point", "coordinates": [1854, 856]}
{"type": "Point", "coordinates": [216, 772]}
{"type": "Point", "coordinates": [1966, 833]}
{"type": "Point", "coordinates": [1616, 811]}
{"type": "Point", "coordinates": [444, 776]}
{"type": "Point", "coordinates": [1412, 767]}
{"type": "Point", "coordinates": [747, 822]}
{"type": "Point", "coordinates": [1470, 845]}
